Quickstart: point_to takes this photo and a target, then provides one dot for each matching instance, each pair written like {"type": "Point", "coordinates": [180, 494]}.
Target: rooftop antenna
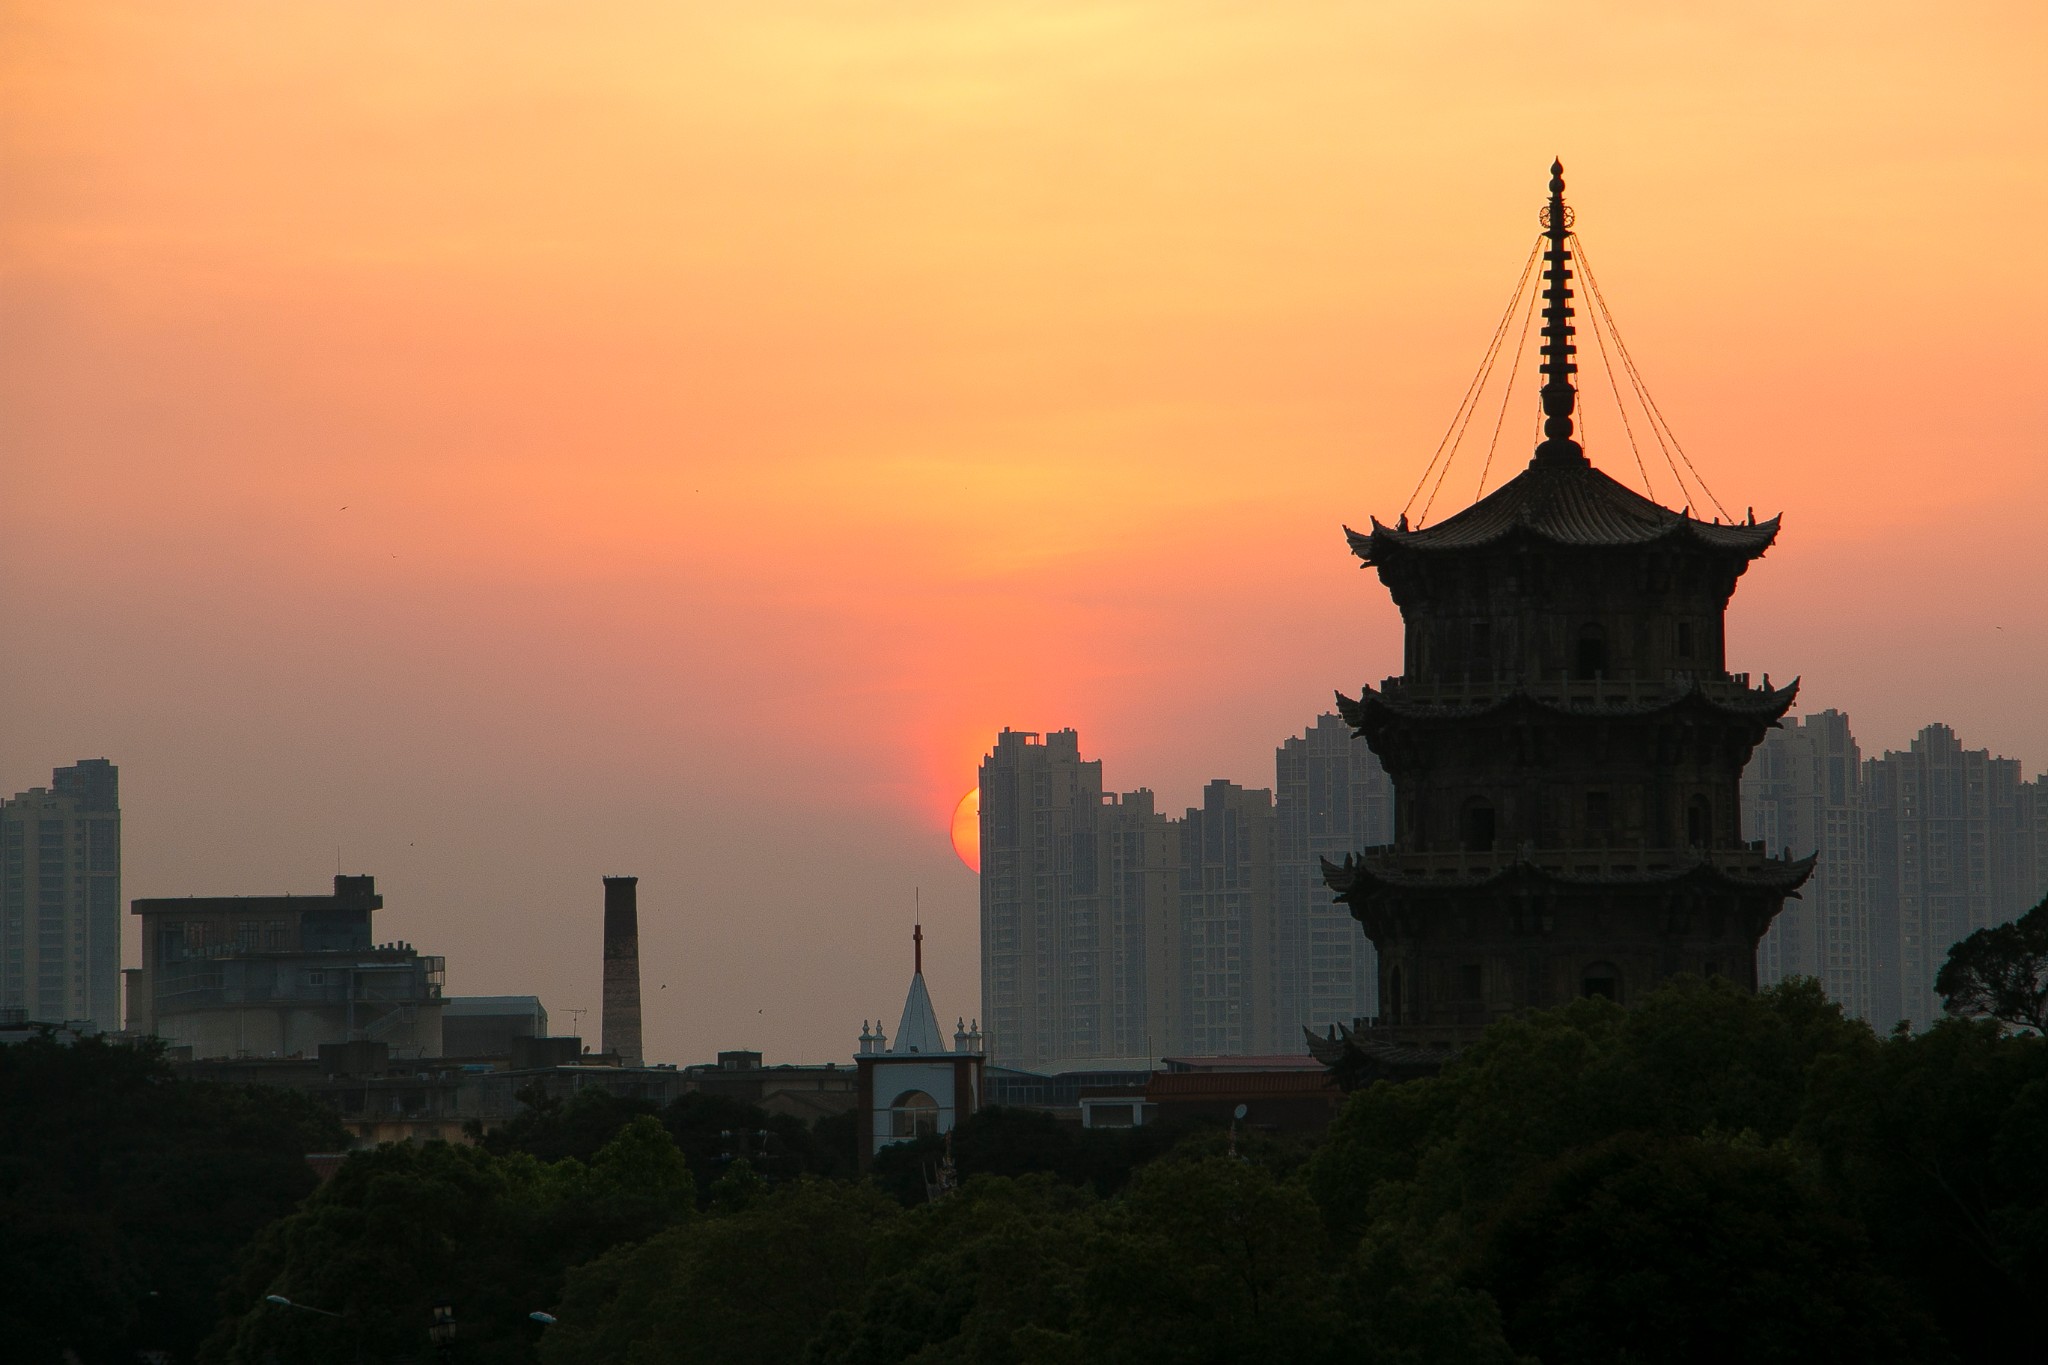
{"type": "Point", "coordinates": [576, 1020]}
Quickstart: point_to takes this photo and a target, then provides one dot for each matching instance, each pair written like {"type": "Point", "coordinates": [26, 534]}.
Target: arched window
{"type": "Point", "coordinates": [1601, 979]}
{"type": "Point", "coordinates": [1699, 823]}
{"type": "Point", "coordinates": [1592, 655]}
{"type": "Point", "coordinates": [916, 1114]}
{"type": "Point", "coordinates": [1476, 826]}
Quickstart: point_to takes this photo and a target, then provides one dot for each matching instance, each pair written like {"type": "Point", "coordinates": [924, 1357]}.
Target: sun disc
{"type": "Point", "coordinates": [967, 829]}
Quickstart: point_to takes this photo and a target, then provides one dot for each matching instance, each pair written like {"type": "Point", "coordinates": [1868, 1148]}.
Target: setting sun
{"type": "Point", "coordinates": [967, 829]}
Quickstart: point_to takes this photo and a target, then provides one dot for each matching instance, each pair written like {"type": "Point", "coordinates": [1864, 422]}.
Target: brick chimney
{"type": "Point", "coordinates": [621, 1023]}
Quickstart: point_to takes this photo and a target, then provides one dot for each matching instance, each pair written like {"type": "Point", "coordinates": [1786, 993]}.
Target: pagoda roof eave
{"type": "Point", "coordinates": [1572, 505]}
{"type": "Point", "coordinates": [1763, 704]}
{"type": "Point", "coordinates": [1355, 875]}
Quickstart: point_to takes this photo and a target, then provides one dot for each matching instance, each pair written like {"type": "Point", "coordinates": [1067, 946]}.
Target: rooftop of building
{"type": "Point", "coordinates": [463, 1006]}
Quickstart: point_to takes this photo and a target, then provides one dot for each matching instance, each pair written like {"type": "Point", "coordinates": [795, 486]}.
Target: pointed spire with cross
{"type": "Point", "coordinates": [1559, 395]}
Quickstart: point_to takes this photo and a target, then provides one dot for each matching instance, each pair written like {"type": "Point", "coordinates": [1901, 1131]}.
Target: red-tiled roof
{"type": "Point", "coordinates": [1279, 1061]}
{"type": "Point", "coordinates": [1192, 1085]}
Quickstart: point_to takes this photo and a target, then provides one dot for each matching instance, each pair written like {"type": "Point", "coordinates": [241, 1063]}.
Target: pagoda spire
{"type": "Point", "coordinates": [1559, 396]}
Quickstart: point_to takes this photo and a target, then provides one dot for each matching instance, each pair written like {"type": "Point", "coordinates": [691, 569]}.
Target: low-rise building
{"type": "Point", "coordinates": [278, 976]}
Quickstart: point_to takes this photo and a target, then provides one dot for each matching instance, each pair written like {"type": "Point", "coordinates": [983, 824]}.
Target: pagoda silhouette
{"type": "Point", "coordinates": [1565, 744]}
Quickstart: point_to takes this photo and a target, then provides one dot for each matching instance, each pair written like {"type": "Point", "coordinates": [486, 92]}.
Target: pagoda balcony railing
{"type": "Point", "coordinates": [1478, 689]}
{"type": "Point", "coordinates": [1608, 860]}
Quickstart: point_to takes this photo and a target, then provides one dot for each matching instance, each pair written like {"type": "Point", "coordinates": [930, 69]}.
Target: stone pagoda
{"type": "Point", "coordinates": [1565, 743]}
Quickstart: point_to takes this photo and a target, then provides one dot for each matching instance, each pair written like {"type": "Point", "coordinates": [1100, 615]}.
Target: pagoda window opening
{"type": "Point", "coordinates": [1699, 823]}
{"type": "Point", "coordinates": [1394, 994]}
{"type": "Point", "coordinates": [1481, 657]}
{"type": "Point", "coordinates": [1601, 979]}
{"type": "Point", "coordinates": [1599, 811]}
{"type": "Point", "coordinates": [1592, 654]}
{"type": "Point", "coordinates": [1685, 639]}
{"type": "Point", "coordinates": [1478, 821]}
{"type": "Point", "coordinates": [1470, 980]}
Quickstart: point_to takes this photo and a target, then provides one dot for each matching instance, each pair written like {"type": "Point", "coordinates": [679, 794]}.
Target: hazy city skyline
{"type": "Point", "coordinates": [674, 444]}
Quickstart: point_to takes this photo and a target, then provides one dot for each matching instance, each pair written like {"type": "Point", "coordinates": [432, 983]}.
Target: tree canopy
{"type": "Point", "coordinates": [1710, 1175]}
{"type": "Point", "coordinates": [2000, 973]}
{"type": "Point", "coordinates": [127, 1194]}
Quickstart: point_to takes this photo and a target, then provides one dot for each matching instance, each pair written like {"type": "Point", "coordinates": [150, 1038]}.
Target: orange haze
{"type": "Point", "coordinates": [514, 441]}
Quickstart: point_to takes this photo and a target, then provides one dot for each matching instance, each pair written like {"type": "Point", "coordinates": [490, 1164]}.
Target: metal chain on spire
{"type": "Point", "coordinates": [1455, 433]}
{"type": "Point", "coordinates": [1659, 426]}
{"type": "Point", "coordinates": [1521, 348]}
{"type": "Point", "coordinates": [1613, 386]}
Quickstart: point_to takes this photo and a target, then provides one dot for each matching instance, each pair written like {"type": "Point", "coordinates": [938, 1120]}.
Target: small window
{"type": "Point", "coordinates": [1699, 823]}
{"type": "Point", "coordinates": [1599, 811]}
{"type": "Point", "coordinates": [1482, 644]}
{"type": "Point", "coordinates": [1394, 995]}
{"type": "Point", "coordinates": [917, 1114]}
{"type": "Point", "coordinates": [1592, 658]}
{"type": "Point", "coordinates": [1477, 834]}
{"type": "Point", "coordinates": [1685, 639]}
{"type": "Point", "coordinates": [1469, 981]}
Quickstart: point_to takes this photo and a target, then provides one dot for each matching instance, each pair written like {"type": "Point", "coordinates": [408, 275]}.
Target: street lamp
{"type": "Point", "coordinates": [443, 1329]}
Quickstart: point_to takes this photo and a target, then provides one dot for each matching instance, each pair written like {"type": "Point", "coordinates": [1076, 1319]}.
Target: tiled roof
{"type": "Point", "coordinates": [1567, 503]}
{"type": "Point", "coordinates": [1188, 1085]}
{"type": "Point", "coordinates": [1768, 703]}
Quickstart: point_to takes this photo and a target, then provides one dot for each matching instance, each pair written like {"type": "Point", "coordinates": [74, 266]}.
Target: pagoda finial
{"type": "Point", "coordinates": [1559, 397]}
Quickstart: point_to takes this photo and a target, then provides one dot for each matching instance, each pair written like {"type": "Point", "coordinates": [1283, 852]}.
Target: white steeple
{"type": "Point", "coordinates": [919, 1030]}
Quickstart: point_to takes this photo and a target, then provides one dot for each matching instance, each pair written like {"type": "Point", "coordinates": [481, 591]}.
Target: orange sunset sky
{"type": "Point", "coordinates": [516, 442]}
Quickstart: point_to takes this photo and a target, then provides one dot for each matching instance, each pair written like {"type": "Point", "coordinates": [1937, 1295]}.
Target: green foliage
{"type": "Point", "coordinates": [753, 1282]}
{"type": "Point", "coordinates": [1686, 1249]}
{"type": "Point", "coordinates": [401, 1228]}
{"type": "Point", "coordinates": [1712, 1175]}
{"type": "Point", "coordinates": [2001, 973]}
{"type": "Point", "coordinates": [1935, 1144]}
{"type": "Point", "coordinates": [1699, 1054]}
{"type": "Point", "coordinates": [127, 1195]}
{"type": "Point", "coordinates": [1204, 1258]}
{"type": "Point", "coordinates": [711, 1131]}
{"type": "Point", "coordinates": [1020, 1142]}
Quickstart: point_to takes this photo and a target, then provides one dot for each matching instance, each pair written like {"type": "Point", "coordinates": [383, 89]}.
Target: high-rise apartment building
{"type": "Point", "coordinates": [1077, 894]}
{"type": "Point", "coordinates": [1112, 933]}
{"type": "Point", "coordinates": [1227, 932]}
{"type": "Point", "coordinates": [60, 897]}
{"type": "Point", "coordinates": [1802, 793]}
{"type": "Point", "coordinates": [1947, 828]}
{"type": "Point", "coordinates": [1334, 799]}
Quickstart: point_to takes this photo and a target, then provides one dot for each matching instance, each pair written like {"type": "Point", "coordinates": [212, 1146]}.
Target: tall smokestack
{"type": "Point", "coordinates": [622, 969]}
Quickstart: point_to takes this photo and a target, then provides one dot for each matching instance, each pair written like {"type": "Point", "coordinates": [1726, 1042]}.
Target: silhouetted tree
{"type": "Point", "coordinates": [126, 1195]}
{"type": "Point", "coordinates": [752, 1282]}
{"type": "Point", "coordinates": [2000, 973]}
{"type": "Point", "coordinates": [401, 1228]}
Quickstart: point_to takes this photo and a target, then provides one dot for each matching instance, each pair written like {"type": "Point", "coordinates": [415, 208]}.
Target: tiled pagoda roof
{"type": "Point", "coordinates": [1564, 501]}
